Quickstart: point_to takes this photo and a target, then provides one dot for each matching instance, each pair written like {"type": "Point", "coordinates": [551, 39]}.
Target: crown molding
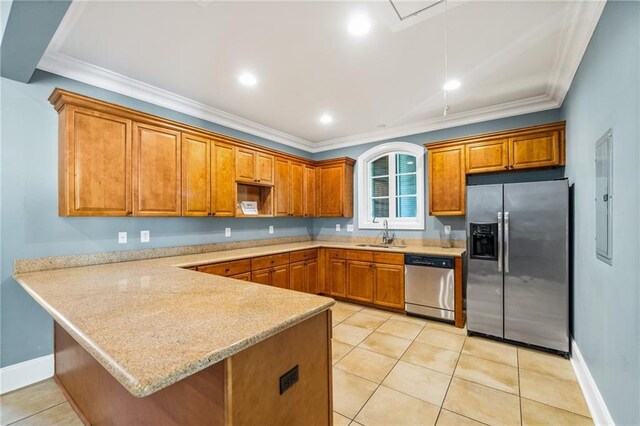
{"type": "Point", "coordinates": [575, 42]}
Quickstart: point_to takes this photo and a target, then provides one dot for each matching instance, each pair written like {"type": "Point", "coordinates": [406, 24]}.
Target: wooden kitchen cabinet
{"type": "Point", "coordinates": [296, 189]}
{"type": "Point", "coordinates": [196, 175]}
{"type": "Point", "coordinates": [223, 193]}
{"type": "Point", "coordinates": [243, 277]}
{"type": "Point", "coordinates": [450, 161]}
{"type": "Point", "coordinates": [280, 276]}
{"type": "Point", "coordinates": [540, 149]}
{"type": "Point", "coordinates": [254, 166]}
{"type": "Point", "coordinates": [309, 192]}
{"type": "Point", "coordinates": [389, 285]}
{"type": "Point", "coordinates": [335, 188]}
{"type": "Point", "coordinates": [297, 276]}
{"type": "Point", "coordinates": [487, 156]}
{"type": "Point", "coordinates": [281, 187]}
{"type": "Point", "coordinates": [360, 277]}
{"type": "Point", "coordinates": [337, 276]}
{"type": "Point", "coordinates": [447, 181]}
{"type": "Point", "coordinates": [261, 276]}
{"type": "Point", "coordinates": [94, 163]}
{"type": "Point", "coordinates": [156, 170]}
{"type": "Point", "coordinates": [311, 276]}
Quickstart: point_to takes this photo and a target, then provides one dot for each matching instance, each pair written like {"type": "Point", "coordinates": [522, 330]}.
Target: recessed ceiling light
{"type": "Point", "coordinates": [247, 79]}
{"type": "Point", "coordinates": [452, 84]}
{"type": "Point", "coordinates": [359, 25]}
{"type": "Point", "coordinates": [326, 118]}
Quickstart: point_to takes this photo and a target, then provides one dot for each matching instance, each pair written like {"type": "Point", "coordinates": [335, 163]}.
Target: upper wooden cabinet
{"type": "Point", "coordinates": [309, 192]}
{"type": "Point", "coordinates": [156, 171]}
{"type": "Point", "coordinates": [223, 188]}
{"type": "Point", "coordinates": [196, 175]}
{"type": "Point", "coordinates": [487, 156]}
{"type": "Point", "coordinates": [446, 180]}
{"type": "Point", "coordinates": [94, 163]}
{"type": "Point", "coordinates": [254, 166]}
{"type": "Point", "coordinates": [115, 161]}
{"type": "Point", "coordinates": [335, 188]}
{"type": "Point", "coordinates": [450, 161]}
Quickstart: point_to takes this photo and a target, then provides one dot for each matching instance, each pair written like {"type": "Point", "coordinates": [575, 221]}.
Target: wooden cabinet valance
{"type": "Point", "coordinates": [115, 161]}
{"type": "Point", "coordinates": [450, 161]}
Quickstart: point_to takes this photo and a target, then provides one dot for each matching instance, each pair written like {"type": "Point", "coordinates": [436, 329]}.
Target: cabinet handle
{"type": "Point", "coordinates": [506, 167]}
{"type": "Point", "coordinates": [213, 213]}
{"type": "Point", "coordinates": [512, 166]}
{"type": "Point", "coordinates": [129, 213]}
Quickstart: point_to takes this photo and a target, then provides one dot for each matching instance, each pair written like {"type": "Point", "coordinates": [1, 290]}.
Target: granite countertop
{"type": "Point", "coordinates": [151, 322]}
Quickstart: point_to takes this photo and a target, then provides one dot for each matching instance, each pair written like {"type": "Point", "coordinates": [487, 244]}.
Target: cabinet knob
{"type": "Point", "coordinates": [506, 167]}
{"type": "Point", "coordinates": [129, 213]}
{"type": "Point", "coordinates": [512, 166]}
{"type": "Point", "coordinates": [213, 213]}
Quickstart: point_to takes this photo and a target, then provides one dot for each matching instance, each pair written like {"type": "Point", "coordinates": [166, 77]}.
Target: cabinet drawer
{"type": "Point", "coordinates": [366, 256]}
{"type": "Point", "coordinates": [226, 269]}
{"type": "Point", "coordinates": [268, 261]}
{"type": "Point", "coordinates": [337, 254]}
{"type": "Point", "coordinates": [298, 256]}
{"type": "Point", "coordinates": [390, 258]}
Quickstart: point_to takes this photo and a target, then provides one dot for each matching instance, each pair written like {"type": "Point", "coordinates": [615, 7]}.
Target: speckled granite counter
{"type": "Point", "coordinates": [151, 323]}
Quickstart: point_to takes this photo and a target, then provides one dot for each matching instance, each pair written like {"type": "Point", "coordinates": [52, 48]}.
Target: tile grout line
{"type": "Point", "coordinates": [35, 414]}
{"type": "Point", "coordinates": [519, 388]}
{"type": "Point", "coordinates": [451, 379]}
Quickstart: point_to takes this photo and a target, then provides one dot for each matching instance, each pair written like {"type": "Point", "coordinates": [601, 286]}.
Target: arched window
{"type": "Point", "coordinates": [391, 186]}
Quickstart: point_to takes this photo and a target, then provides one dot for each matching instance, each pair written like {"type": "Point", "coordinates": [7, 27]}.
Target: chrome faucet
{"type": "Point", "coordinates": [386, 239]}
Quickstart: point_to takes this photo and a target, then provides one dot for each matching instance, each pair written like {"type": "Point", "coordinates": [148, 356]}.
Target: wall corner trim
{"type": "Point", "coordinates": [25, 373]}
{"type": "Point", "coordinates": [595, 402]}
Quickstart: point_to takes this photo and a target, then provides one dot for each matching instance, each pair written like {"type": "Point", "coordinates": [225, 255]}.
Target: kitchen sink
{"type": "Point", "coordinates": [380, 245]}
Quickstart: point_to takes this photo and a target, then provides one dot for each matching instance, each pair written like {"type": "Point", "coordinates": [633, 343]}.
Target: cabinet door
{"type": "Point", "coordinates": [297, 276]}
{"type": "Point", "coordinates": [447, 181]}
{"type": "Point", "coordinates": [311, 276]}
{"type": "Point", "coordinates": [223, 194]}
{"type": "Point", "coordinates": [331, 190]}
{"type": "Point", "coordinates": [535, 150]}
{"type": "Point", "coordinates": [262, 276]}
{"type": "Point", "coordinates": [244, 277]}
{"type": "Point", "coordinates": [337, 274]}
{"type": "Point", "coordinates": [389, 285]}
{"type": "Point", "coordinates": [95, 166]}
{"type": "Point", "coordinates": [280, 276]}
{"type": "Point", "coordinates": [156, 171]}
{"type": "Point", "coordinates": [360, 280]}
{"type": "Point", "coordinates": [196, 180]}
{"type": "Point", "coordinates": [282, 179]}
{"type": "Point", "coordinates": [487, 156]}
{"type": "Point", "coordinates": [245, 165]}
{"type": "Point", "coordinates": [296, 189]}
{"type": "Point", "coordinates": [264, 168]}
{"type": "Point", "coordinates": [309, 192]}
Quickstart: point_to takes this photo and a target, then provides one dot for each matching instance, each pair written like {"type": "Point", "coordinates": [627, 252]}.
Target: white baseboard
{"type": "Point", "coordinates": [25, 373]}
{"type": "Point", "coordinates": [595, 402]}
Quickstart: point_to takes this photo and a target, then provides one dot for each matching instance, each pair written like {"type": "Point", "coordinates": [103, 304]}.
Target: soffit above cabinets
{"type": "Point", "coordinates": [512, 58]}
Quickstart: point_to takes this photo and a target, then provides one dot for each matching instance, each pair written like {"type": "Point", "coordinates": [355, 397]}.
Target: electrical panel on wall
{"type": "Point", "coordinates": [604, 199]}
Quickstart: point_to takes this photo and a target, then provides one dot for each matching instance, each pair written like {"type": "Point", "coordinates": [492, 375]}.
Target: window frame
{"type": "Point", "coordinates": [365, 221]}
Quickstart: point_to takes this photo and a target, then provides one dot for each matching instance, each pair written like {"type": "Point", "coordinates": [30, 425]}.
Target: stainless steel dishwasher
{"type": "Point", "coordinates": [429, 286]}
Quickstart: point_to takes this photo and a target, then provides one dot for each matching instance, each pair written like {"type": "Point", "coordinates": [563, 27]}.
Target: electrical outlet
{"type": "Point", "coordinates": [337, 227]}
{"type": "Point", "coordinates": [447, 229]}
{"type": "Point", "coordinates": [271, 229]}
{"type": "Point", "coordinates": [227, 232]}
{"type": "Point", "coordinates": [122, 238]}
{"type": "Point", "coordinates": [349, 227]}
{"type": "Point", "coordinates": [144, 236]}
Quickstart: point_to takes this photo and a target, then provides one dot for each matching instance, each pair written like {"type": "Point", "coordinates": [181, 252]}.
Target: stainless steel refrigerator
{"type": "Point", "coordinates": [518, 262]}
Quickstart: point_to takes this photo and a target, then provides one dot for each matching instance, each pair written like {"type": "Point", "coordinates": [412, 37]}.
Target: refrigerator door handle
{"type": "Point", "coordinates": [506, 242]}
{"type": "Point", "coordinates": [499, 241]}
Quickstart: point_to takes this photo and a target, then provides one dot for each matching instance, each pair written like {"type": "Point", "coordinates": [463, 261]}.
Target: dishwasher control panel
{"type": "Point", "coordinates": [432, 261]}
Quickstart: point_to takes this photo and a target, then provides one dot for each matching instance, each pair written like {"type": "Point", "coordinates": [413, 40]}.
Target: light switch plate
{"type": "Point", "coordinates": [271, 229]}
{"type": "Point", "coordinates": [349, 227]}
{"type": "Point", "coordinates": [337, 227]}
{"type": "Point", "coordinates": [144, 236]}
{"type": "Point", "coordinates": [122, 238]}
{"type": "Point", "coordinates": [227, 232]}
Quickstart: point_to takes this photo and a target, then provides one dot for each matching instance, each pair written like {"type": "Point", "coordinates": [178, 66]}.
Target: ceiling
{"type": "Point", "coordinates": [511, 57]}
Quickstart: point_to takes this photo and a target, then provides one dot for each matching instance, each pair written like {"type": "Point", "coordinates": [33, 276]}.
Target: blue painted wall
{"type": "Point", "coordinates": [30, 226]}
{"type": "Point", "coordinates": [433, 225]}
{"type": "Point", "coordinates": [605, 93]}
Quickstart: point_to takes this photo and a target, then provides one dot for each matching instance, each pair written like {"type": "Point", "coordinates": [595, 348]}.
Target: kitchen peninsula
{"type": "Point", "coordinates": [166, 342]}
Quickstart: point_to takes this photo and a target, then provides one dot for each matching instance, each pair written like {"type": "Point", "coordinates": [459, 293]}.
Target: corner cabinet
{"type": "Point", "coordinates": [450, 161]}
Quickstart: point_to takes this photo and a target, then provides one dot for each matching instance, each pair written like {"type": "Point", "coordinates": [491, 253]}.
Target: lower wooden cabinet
{"type": "Point", "coordinates": [280, 276]}
{"type": "Point", "coordinates": [303, 276]}
{"type": "Point", "coordinates": [360, 280]}
{"type": "Point", "coordinates": [244, 277]}
{"type": "Point", "coordinates": [311, 276]}
{"type": "Point", "coordinates": [389, 285]}
{"type": "Point", "coordinates": [337, 276]}
{"type": "Point", "coordinates": [262, 276]}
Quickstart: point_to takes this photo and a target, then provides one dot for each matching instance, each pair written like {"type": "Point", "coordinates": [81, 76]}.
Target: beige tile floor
{"type": "Point", "coordinates": [395, 370]}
